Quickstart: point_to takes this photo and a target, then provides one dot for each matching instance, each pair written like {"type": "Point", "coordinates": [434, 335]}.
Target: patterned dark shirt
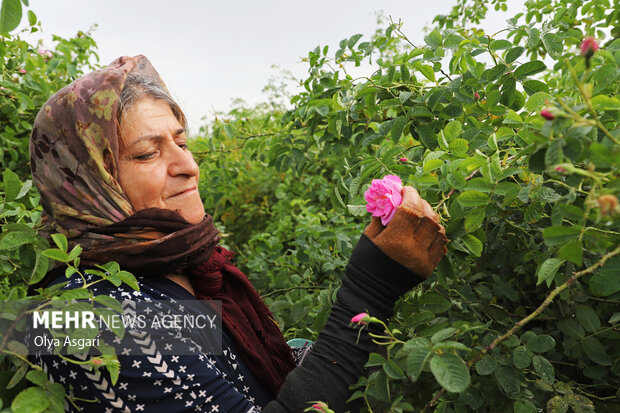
{"type": "Point", "coordinates": [152, 381]}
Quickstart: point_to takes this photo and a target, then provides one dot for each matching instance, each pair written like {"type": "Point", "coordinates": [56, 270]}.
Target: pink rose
{"type": "Point", "coordinates": [47, 54]}
{"type": "Point", "coordinates": [318, 407]}
{"type": "Point", "coordinates": [358, 318]}
{"type": "Point", "coordinates": [22, 71]}
{"type": "Point", "coordinates": [384, 197]}
{"type": "Point", "coordinates": [588, 46]}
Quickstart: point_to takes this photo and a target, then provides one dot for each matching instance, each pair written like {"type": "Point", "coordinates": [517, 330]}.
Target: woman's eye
{"type": "Point", "coordinates": [183, 146]}
{"type": "Point", "coordinates": [145, 157]}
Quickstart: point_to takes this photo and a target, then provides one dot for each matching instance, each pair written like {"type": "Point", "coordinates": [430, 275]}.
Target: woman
{"type": "Point", "coordinates": [110, 159]}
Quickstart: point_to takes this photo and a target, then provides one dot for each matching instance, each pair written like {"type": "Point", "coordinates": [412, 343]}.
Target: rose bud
{"type": "Point", "coordinates": [358, 318]}
{"type": "Point", "coordinates": [561, 170]}
{"type": "Point", "coordinates": [546, 113]}
{"type": "Point", "coordinates": [403, 159]}
{"type": "Point", "coordinates": [477, 96]}
{"type": "Point", "coordinates": [588, 47]}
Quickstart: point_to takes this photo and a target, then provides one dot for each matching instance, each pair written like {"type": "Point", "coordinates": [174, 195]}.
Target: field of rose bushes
{"type": "Point", "coordinates": [513, 137]}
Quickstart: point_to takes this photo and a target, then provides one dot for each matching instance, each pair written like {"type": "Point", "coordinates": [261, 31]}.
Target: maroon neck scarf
{"type": "Point", "coordinates": [74, 157]}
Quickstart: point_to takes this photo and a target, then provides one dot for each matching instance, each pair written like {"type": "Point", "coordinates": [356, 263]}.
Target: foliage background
{"type": "Point", "coordinates": [521, 315]}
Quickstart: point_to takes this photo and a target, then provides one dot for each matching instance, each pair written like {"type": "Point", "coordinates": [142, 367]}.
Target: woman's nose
{"type": "Point", "coordinates": [182, 162]}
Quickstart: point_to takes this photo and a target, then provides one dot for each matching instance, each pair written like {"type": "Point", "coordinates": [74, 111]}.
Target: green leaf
{"type": "Point", "coordinates": [433, 39]}
{"type": "Point", "coordinates": [474, 219]}
{"type": "Point", "coordinates": [537, 101]}
{"type": "Point", "coordinates": [426, 70]}
{"type": "Point", "coordinates": [434, 302]}
{"type": "Point", "coordinates": [109, 302]}
{"type": "Point", "coordinates": [541, 343]}
{"type": "Point", "coordinates": [547, 270]}
{"type": "Point", "coordinates": [521, 357]}
{"type": "Point", "coordinates": [451, 372]}
{"type": "Point", "coordinates": [15, 239]}
{"type": "Point", "coordinates": [441, 335]}
{"type": "Point", "coordinates": [472, 199]}
{"type": "Point", "coordinates": [544, 369]}
{"type": "Point", "coordinates": [573, 251]}
{"type": "Point", "coordinates": [431, 164]}
{"type": "Point", "coordinates": [32, 18]}
{"type": "Point", "coordinates": [596, 351]}
{"type": "Point", "coordinates": [24, 189]}
{"type": "Point", "coordinates": [353, 40]}
{"type": "Point", "coordinates": [449, 344]}
{"type": "Point", "coordinates": [392, 370]}
{"type": "Point", "coordinates": [357, 210]}
{"type": "Point", "coordinates": [37, 377]}
{"type": "Point", "coordinates": [473, 244]}
{"type": "Point", "coordinates": [558, 235]}
{"type": "Point", "coordinates": [553, 44]}
{"type": "Point", "coordinates": [603, 102]}
{"type": "Point", "coordinates": [529, 69]}
{"type": "Point", "coordinates": [61, 241]}
{"type": "Point", "coordinates": [452, 130]}
{"type": "Point", "coordinates": [485, 366]}
{"type": "Point", "coordinates": [513, 54]}
{"type": "Point", "coordinates": [10, 15]}
{"type": "Point", "coordinates": [12, 184]}
{"type": "Point", "coordinates": [571, 327]}
{"type": "Point", "coordinates": [397, 128]}
{"type": "Point", "coordinates": [587, 318]}
{"type": "Point", "coordinates": [416, 360]}
{"type": "Point", "coordinates": [56, 255]}
{"type": "Point", "coordinates": [458, 147]}
{"type": "Point", "coordinates": [128, 279]}
{"type": "Point", "coordinates": [500, 44]}
{"type": "Point", "coordinates": [31, 400]}
{"type": "Point", "coordinates": [605, 281]}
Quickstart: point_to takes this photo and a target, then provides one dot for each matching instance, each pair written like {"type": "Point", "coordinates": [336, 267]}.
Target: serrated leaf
{"type": "Point", "coordinates": [473, 244]}
{"type": "Point", "coordinates": [416, 360]}
{"type": "Point", "coordinates": [541, 343]}
{"type": "Point", "coordinates": [547, 270]}
{"type": "Point", "coordinates": [529, 69]}
{"type": "Point", "coordinates": [443, 334]}
{"type": "Point", "coordinates": [451, 372]}
{"type": "Point", "coordinates": [61, 241]}
{"type": "Point", "coordinates": [595, 350]}
{"type": "Point", "coordinates": [553, 44]}
{"type": "Point", "coordinates": [56, 254]}
{"type": "Point", "coordinates": [513, 54]}
{"type": "Point", "coordinates": [544, 368]}
{"type": "Point", "coordinates": [12, 184]}
{"type": "Point", "coordinates": [357, 210]}
{"type": "Point", "coordinates": [472, 199]}
{"type": "Point", "coordinates": [521, 357]}
{"type": "Point", "coordinates": [458, 147]}
{"type": "Point", "coordinates": [31, 400]}
{"type": "Point", "coordinates": [474, 219]}
{"type": "Point", "coordinates": [572, 251]}
{"type": "Point", "coordinates": [15, 239]}
{"type": "Point", "coordinates": [10, 15]}
{"type": "Point", "coordinates": [452, 130]}
{"type": "Point", "coordinates": [588, 318]}
{"type": "Point", "coordinates": [485, 366]}
{"type": "Point", "coordinates": [397, 128]}
{"type": "Point", "coordinates": [558, 235]}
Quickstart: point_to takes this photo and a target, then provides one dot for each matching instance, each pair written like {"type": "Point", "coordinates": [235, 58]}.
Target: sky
{"type": "Point", "coordinates": [211, 52]}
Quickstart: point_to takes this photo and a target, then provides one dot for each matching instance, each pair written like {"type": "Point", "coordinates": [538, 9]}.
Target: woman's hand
{"type": "Point", "coordinates": [414, 237]}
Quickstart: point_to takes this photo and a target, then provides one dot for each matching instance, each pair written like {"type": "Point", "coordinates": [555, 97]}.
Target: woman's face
{"type": "Point", "coordinates": [156, 168]}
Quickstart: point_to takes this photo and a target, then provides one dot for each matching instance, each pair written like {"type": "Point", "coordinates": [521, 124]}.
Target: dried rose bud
{"type": "Point", "coordinates": [546, 113]}
{"type": "Point", "coordinates": [608, 204]}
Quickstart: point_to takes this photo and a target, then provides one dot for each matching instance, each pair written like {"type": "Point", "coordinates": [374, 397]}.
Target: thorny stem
{"type": "Point", "coordinates": [534, 314]}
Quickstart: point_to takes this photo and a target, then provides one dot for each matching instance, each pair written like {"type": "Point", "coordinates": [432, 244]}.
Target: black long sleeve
{"type": "Point", "coordinates": [372, 283]}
